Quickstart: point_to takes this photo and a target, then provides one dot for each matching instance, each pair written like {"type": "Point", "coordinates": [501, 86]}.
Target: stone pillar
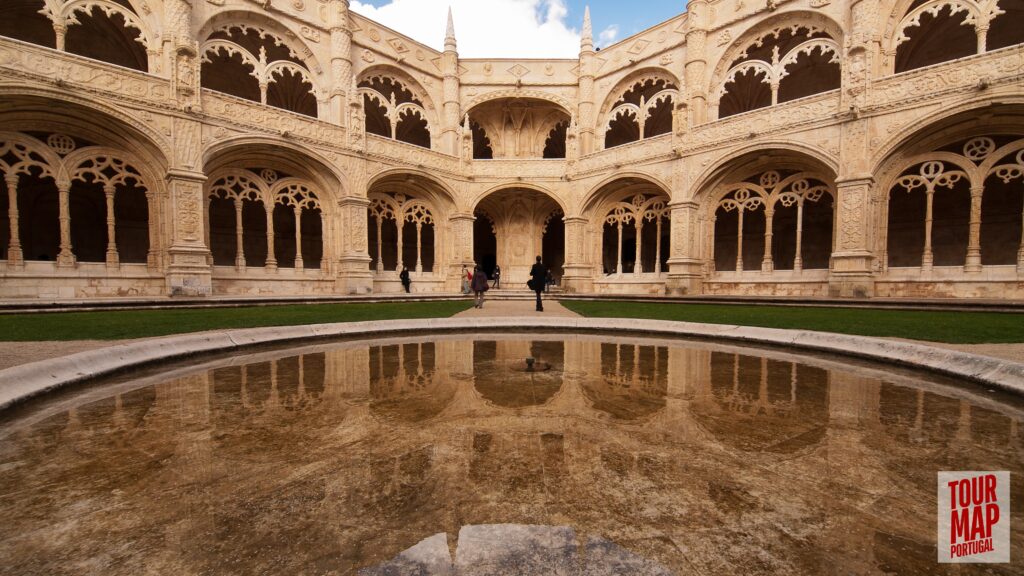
{"type": "Point", "coordinates": [973, 263]}
{"type": "Point", "coordinates": [299, 265]}
{"type": "Point", "coordinates": [586, 88]}
{"type": "Point", "coordinates": [452, 108]}
{"type": "Point", "coordinates": [578, 273]}
{"type": "Point", "coordinates": [341, 61]}
{"type": "Point", "coordinates": [182, 51]}
{"type": "Point", "coordinates": [15, 257]}
{"type": "Point", "coordinates": [188, 269]}
{"type": "Point", "coordinates": [851, 275]}
{"type": "Point", "coordinates": [271, 263]}
{"type": "Point", "coordinates": [685, 268]}
{"type": "Point", "coordinates": [461, 226]}
{"type": "Point", "coordinates": [65, 257]}
{"type": "Point", "coordinates": [354, 275]}
{"type": "Point", "coordinates": [696, 61]}
{"type": "Point", "coordinates": [113, 258]}
{"type": "Point", "coordinates": [852, 258]}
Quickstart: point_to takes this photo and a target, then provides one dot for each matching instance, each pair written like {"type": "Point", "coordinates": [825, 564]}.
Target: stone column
{"type": "Point", "coordinates": [299, 264]}
{"type": "Point", "coordinates": [768, 263]}
{"type": "Point", "coordinates": [928, 257]}
{"type": "Point", "coordinates": [696, 60]}
{"type": "Point", "coordinates": [578, 273]}
{"type": "Point", "coordinates": [618, 258]}
{"type": "Point", "coordinates": [15, 257]}
{"type": "Point", "coordinates": [341, 60]}
{"type": "Point", "coordinates": [113, 259]}
{"type": "Point", "coordinates": [271, 256]}
{"type": "Point", "coordinates": [973, 263]}
{"type": "Point", "coordinates": [851, 275]}
{"type": "Point", "coordinates": [65, 257]}
{"type": "Point", "coordinates": [188, 270]}
{"type": "Point", "coordinates": [461, 240]}
{"type": "Point", "coordinates": [852, 260]}
{"type": "Point", "coordinates": [739, 239]}
{"type": "Point", "coordinates": [239, 237]}
{"type": "Point", "coordinates": [798, 258]}
{"type": "Point", "coordinates": [637, 264]}
{"type": "Point", "coordinates": [685, 274]}
{"type": "Point", "coordinates": [354, 275]}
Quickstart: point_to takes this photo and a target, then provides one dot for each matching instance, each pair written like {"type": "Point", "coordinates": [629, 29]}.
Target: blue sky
{"type": "Point", "coordinates": [524, 28]}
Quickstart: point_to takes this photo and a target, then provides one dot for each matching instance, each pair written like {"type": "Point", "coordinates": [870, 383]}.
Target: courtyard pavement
{"type": "Point", "coordinates": [517, 308]}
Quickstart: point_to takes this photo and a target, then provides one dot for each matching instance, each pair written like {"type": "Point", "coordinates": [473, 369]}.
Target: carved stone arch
{"type": "Point", "coordinates": [975, 115]}
{"type": "Point", "coordinates": [633, 78]}
{"type": "Point", "coordinates": [422, 182]}
{"type": "Point", "coordinates": [599, 193]}
{"type": "Point", "coordinates": [479, 198]}
{"type": "Point", "coordinates": [132, 17]}
{"type": "Point", "coordinates": [299, 192]}
{"type": "Point", "coordinates": [512, 93]}
{"type": "Point", "coordinates": [897, 11]}
{"type": "Point", "coordinates": [726, 163]}
{"type": "Point", "coordinates": [109, 166]}
{"type": "Point", "coordinates": [31, 109]}
{"type": "Point", "coordinates": [36, 157]}
{"type": "Point", "coordinates": [759, 30]}
{"type": "Point", "coordinates": [238, 183]}
{"type": "Point", "coordinates": [287, 155]}
{"type": "Point", "coordinates": [407, 80]}
{"type": "Point", "coordinates": [279, 29]}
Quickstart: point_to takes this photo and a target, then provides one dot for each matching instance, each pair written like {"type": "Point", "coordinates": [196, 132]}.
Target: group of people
{"type": "Point", "coordinates": [476, 281]}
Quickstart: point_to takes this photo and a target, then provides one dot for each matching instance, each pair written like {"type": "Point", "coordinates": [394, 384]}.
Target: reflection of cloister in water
{"type": "Point", "coordinates": [400, 433]}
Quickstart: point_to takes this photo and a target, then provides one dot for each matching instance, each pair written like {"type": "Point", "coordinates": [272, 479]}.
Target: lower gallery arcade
{"type": "Point", "coordinates": [89, 215]}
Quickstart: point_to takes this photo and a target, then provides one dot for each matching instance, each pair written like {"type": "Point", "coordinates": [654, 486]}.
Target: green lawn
{"type": "Point", "coordinates": [952, 327]}
{"type": "Point", "coordinates": [147, 323]}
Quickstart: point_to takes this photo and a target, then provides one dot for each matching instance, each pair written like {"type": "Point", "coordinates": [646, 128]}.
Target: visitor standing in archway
{"type": "Point", "coordinates": [404, 277]}
{"type": "Point", "coordinates": [538, 276]}
{"type": "Point", "coordinates": [479, 285]}
{"type": "Point", "coordinates": [497, 276]}
{"type": "Point", "coordinates": [467, 278]}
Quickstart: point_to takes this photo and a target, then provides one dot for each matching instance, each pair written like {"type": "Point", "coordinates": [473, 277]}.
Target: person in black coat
{"type": "Point", "coordinates": [404, 277]}
{"type": "Point", "coordinates": [538, 276]}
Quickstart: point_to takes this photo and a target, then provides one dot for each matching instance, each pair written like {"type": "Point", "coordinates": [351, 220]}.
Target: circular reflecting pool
{"type": "Point", "coordinates": [458, 456]}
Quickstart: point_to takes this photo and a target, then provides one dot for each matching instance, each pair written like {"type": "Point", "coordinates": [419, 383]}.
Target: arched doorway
{"type": "Point", "coordinates": [515, 225]}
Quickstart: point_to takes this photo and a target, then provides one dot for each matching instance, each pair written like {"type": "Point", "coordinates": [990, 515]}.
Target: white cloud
{"type": "Point", "coordinates": [484, 29]}
{"type": "Point", "coordinates": [608, 35]}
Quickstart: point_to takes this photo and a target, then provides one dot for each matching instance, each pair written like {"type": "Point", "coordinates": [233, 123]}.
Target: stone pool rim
{"type": "Point", "coordinates": [20, 383]}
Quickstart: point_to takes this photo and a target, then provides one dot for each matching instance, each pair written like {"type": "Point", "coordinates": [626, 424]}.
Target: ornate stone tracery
{"type": "Point", "coordinates": [643, 108]}
{"type": "Point", "coordinates": [763, 196]}
{"type": "Point", "coordinates": [266, 191]}
{"type": "Point", "coordinates": [281, 76]}
{"type": "Point", "coordinates": [25, 162]}
{"type": "Point", "coordinates": [402, 210]}
{"type": "Point", "coordinates": [758, 76]}
{"type": "Point", "coordinates": [394, 110]}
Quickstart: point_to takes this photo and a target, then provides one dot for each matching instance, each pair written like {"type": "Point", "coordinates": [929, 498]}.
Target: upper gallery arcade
{"type": "Point", "coordinates": [847, 148]}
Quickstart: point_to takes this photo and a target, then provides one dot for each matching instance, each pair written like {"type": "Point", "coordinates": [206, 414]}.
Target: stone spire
{"type": "Point", "coordinates": [451, 87]}
{"type": "Point", "coordinates": [586, 86]}
{"type": "Point", "coordinates": [587, 39]}
{"type": "Point", "coordinates": [449, 36]}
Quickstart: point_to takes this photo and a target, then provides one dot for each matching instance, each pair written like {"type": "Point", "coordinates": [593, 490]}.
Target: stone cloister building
{"type": "Point", "coordinates": [287, 147]}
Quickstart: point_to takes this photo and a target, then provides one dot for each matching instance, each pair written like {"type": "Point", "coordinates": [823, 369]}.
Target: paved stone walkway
{"type": "Point", "coordinates": [517, 308]}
